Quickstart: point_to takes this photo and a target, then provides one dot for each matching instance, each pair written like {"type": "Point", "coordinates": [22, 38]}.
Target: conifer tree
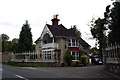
{"type": "Point", "coordinates": [25, 38]}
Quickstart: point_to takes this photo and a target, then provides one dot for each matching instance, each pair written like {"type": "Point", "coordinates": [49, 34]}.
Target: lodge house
{"type": "Point", "coordinates": [56, 37]}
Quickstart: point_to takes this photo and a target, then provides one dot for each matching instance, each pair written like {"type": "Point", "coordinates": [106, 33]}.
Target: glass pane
{"type": "Point", "coordinates": [73, 40]}
{"type": "Point", "coordinates": [73, 43]}
{"type": "Point", "coordinates": [69, 40]}
{"type": "Point", "coordinates": [69, 44]}
{"type": "Point", "coordinates": [77, 55]}
{"type": "Point", "coordinates": [76, 42]}
{"type": "Point", "coordinates": [50, 56]}
{"type": "Point", "coordinates": [73, 55]}
{"type": "Point", "coordinates": [45, 56]}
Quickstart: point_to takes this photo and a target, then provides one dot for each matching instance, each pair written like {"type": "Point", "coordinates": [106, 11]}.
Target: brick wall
{"type": "Point", "coordinates": [111, 58]}
{"type": "Point", "coordinates": [5, 57]}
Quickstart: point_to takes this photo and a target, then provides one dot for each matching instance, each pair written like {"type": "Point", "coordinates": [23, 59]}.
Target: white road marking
{"type": "Point", "coordinates": [32, 68]}
{"type": "Point", "coordinates": [21, 77]}
{"type": "Point", "coordinates": [1, 69]}
{"type": "Point", "coordinates": [29, 67]}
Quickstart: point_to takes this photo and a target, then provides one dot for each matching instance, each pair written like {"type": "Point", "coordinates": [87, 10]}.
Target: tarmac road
{"type": "Point", "coordinates": [28, 73]}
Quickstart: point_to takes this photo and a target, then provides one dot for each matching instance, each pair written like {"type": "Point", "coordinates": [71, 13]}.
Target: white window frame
{"type": "Point", "coordinates": [47, 55]}
{"type": "Point", "coordinates": [76, 43]}
{"type": "Point", "coordinates": [76, 56]}
{"type": "Point", "coordinates": [69, 42]}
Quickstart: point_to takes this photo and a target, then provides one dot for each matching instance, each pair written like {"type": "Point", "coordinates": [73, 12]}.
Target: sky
{"type": "Point", "coordinates": [14, 13]}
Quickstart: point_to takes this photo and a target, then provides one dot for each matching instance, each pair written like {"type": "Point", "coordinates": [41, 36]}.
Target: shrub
{"type": "Point", "coordinates": [68, 57]}
{"type": "Point", "coordinates": [83, 56]}
{"type": "Point", "coordinates": [84, 61]}
{"type": "Point", "coordinates": [78, 63]}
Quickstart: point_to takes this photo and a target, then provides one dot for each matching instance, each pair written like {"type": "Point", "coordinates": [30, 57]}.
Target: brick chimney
{"type": "Point", "coordinates": [55, 20]}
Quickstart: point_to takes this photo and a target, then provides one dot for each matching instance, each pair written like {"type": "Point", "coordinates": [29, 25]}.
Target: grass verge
{"type": "Point", "coordinates": [11, 63]}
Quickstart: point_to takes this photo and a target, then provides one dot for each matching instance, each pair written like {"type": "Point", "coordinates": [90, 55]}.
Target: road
{"type": "Point", "coordinates": [28, 73]}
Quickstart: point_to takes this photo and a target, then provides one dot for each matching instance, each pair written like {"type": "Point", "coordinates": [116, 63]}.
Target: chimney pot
{"type": "Point", "coordinates": [55, 20]}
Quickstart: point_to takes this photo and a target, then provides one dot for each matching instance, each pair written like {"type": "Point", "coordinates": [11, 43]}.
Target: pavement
{"type": "Point", "coordinates": [28, 73]}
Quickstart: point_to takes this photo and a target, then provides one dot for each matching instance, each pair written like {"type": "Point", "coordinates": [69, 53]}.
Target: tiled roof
{"type": "Point", "coordinates": [60, 30]}
{"type": "Point", "coordinates": [37, 40]}
{"type": "Point", "coordinates": [83, 43]}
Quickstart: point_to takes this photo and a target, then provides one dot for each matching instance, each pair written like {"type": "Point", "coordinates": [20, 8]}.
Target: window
{"type": "Point", "coordinates": [69, 42]}
{"type": "Point", "coordinates": [76, 42]}
{"type": "Point", "coordinates": [72, 43]}
{"type": "Point", "coordinates": [47, 55]}
{"type": "Point", "coordinates": [75, 55]}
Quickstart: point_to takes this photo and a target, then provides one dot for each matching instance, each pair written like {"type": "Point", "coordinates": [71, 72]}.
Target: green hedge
{"type": "Point", "coordinates": [21, 65]}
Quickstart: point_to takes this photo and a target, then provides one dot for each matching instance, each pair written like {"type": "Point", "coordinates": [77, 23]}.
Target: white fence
{"type": "Point", "coordinates": [29, 57]}
{"type": "Point", "coordinates": [112, 54]}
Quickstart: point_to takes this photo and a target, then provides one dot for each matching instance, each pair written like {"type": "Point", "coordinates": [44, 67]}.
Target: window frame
{"type": "Point", "coordinates": [72, 43]}
{"type": "Point", "coordinates": [47, 55]}
{"type": "Point", "coordinates": [77, 55]}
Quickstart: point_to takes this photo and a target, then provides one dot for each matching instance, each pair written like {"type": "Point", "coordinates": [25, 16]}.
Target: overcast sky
{"type": "Point", "coordinates": [13, 14]}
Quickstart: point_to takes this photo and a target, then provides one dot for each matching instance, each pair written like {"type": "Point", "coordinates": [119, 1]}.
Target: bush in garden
{"type": "Point", "coordinates": [81, 62]}
{"type": "Point", "coordinates": [68, 57]}
{"type": "Point", "coordinates": [83, 59]}
{"type": "Point", "coordinates": [77, 63]}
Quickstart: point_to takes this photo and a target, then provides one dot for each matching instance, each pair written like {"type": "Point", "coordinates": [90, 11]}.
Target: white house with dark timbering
{"type": "Point", "coordinates": [57, 37]}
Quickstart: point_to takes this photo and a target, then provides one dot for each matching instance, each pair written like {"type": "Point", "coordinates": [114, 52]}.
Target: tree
{"type": "Point", "coordinates": [9, 46]}
{"type": "Point", "coordinates": [97, 31]}
{"type": "Point", "coordinates": [25, 38]}
{"type": "Point", "coordinates": [68, 57]}
{"type": "Point", "coordinates": [76, 31]}
{"type": "Point", "coordinates": [111, 22]}
{"type": "Point", "coordinates": [15, 45]}
{"type": "Point", "coordinates": [33, 47]}
{"type": "Point", "coordinates": [5, 39]}
{"type": "Point", "coordinates": [114, 23]}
